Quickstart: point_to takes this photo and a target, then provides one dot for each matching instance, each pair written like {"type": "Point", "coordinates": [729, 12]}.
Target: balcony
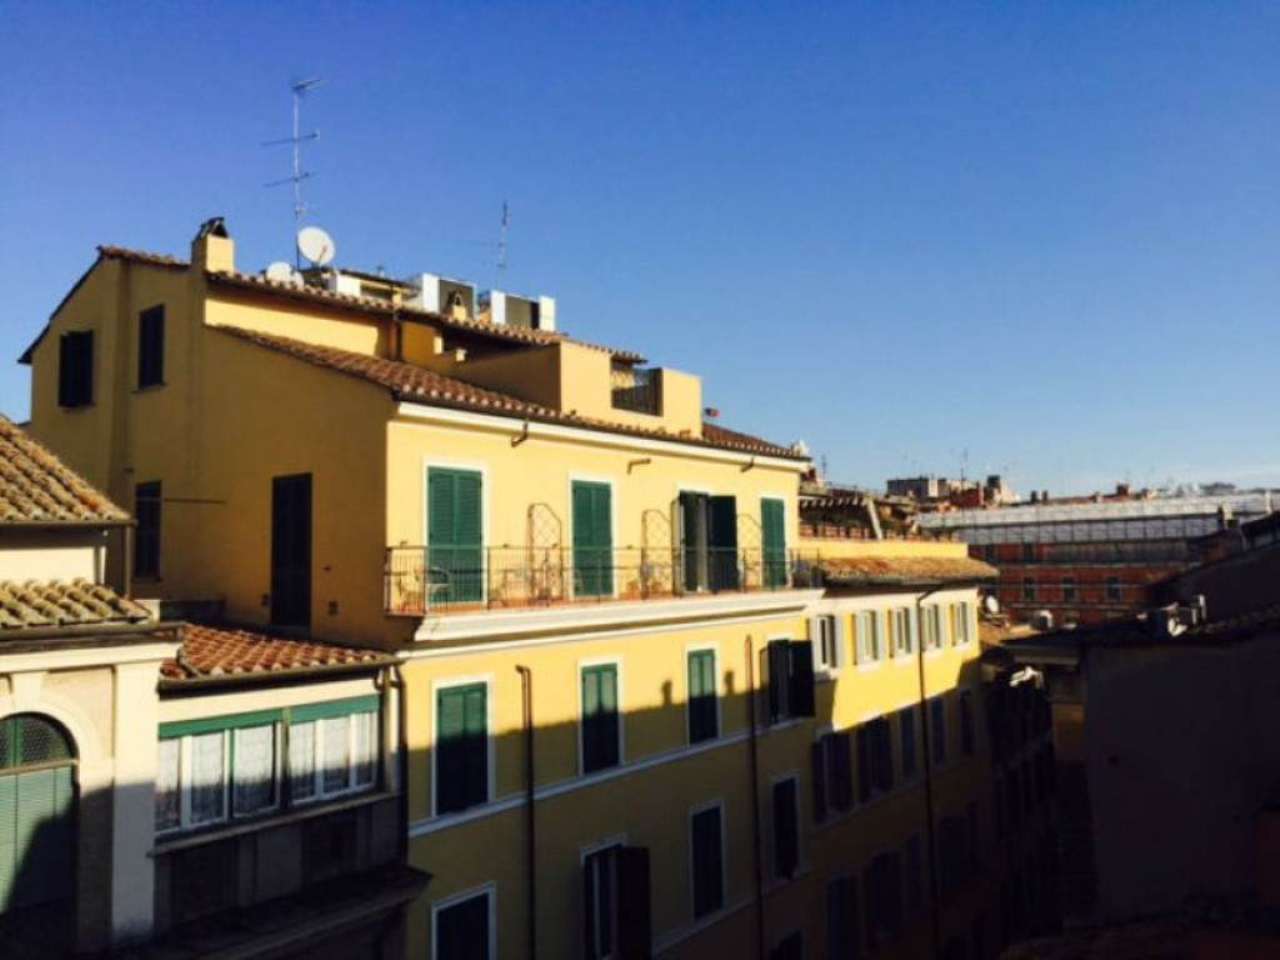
{"type": "Point", "coordinates": [422, 580]}
{"type": "Point", "coordinates": [638, 390]}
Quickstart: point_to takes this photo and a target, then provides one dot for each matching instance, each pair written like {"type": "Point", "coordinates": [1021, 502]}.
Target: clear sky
{"type": "Point", "coordinates": [1044, 234]}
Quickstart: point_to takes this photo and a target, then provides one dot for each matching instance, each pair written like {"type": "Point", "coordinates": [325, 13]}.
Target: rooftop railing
{"type": "Point", "coordinates": [639, 391]}
{"type": "Point", "coordinates": [422, 580]}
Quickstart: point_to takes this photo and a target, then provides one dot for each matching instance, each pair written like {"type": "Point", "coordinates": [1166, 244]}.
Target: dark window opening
{"type": "Point", "coordinates": [75, 369]}
{"type": "Point", "coordinates": [151, 347]}
{"type": "Point", "coordinates": [146, 511]}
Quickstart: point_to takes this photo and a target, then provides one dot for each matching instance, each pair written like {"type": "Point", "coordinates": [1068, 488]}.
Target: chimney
{"type": "Point", "coordinates": [547, 313]}
{"type": "Point", "coordinates": [213, 249]}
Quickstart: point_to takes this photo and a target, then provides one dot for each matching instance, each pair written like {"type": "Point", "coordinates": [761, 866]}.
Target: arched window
{"type": "Point", "coordinates": [37, 814]}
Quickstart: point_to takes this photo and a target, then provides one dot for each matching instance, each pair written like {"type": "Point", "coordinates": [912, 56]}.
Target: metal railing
{"type": "Point", "coordinates": [420, 580]}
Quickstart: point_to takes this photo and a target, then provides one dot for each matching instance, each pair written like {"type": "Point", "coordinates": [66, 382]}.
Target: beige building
{"type": "Point", "coordinates": [168, 788]}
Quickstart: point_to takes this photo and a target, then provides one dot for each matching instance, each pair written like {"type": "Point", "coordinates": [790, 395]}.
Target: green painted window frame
{"type": "Point", "coordinates": [703, 702]}
{"type": "Point", "coordinates": [281, 719]}
{"type": "Point", "coordinates": [591, 502]}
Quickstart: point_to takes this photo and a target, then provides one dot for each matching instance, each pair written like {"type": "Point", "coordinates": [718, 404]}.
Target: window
{"type": "Point", "coordinates": [1115, 592]}
{"type": "Point", "coordinates": [953, 856]}
{"type": "Point", "coordinates": [931, 627]}
{"type": "Point", "coordinates": [592, 539]}
{"type": "Point", "coordinates": [966, 723]}
{"type": "Point", "coordinates": [843, 935]}
{"type": "Point", "coordinates": [790, 670]}
{"type": "Point", "coordinates": [705, 838]}
{"type": "Point", "coordinates": [883, 886]}
{"type": "Point", "coordinates": [870, 643]}
{"type": "Point", "coordinates": [902, 627]}
{"type": "Point", "coordinates": [875, 758]}
{"type": "Point", "coordinates": [151, 347]}
{"type": "Point", "coordinates": [963, 615]}
{"type": "Point", "coordinates": [1069, 590]}
{"type": "Point", "coordinates": [462, 747]}
{"type": "Point", "coordinates": [773, 526]}
{"type": "Point", "coordinates": [786, 828]}
{"type": "Point", "coordinates": [462, 930]}
{"type": "Point", "coordinates": [209, 771]}
{"type": "Point", "coordinates": [1028, 590]}
{"type": "Point", "coordinates": [938, 729]}
{"type": "Point", "coordinates": [75, 369]}
{"type": "Point", "coordinates": [146, 547]}
{"type": "Point", "coordinates": [907, 735]}
{"type": "Point", "coordinates": [600, 727]}
{"type": "Point", "coordinates": [827, 632]}
{"type": "Point", "coordinates": [832, 775]}
{"type": "Point", "coordinates": [708, 542]}
{"type": "Point", "coordinates": [616, 903]}
{"type": "Point", "coordinates": [914, 862]}
{"type": "Point", "coordinates": [704, 709]}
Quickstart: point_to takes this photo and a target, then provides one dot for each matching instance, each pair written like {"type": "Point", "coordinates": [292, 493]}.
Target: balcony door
{"type": "Point", "coordinates": [708, 542]}
{"type": "Point", "coordinates": [455, 551]}
{"type": "Point", "coordinates": [291, 551]}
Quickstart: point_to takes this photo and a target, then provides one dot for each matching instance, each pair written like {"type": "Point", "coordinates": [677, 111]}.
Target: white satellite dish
{"type": "Point", "coordinates": [316, 245]}
{"type": "Point", "coordinates": [991, 604]}
{"type": "Point", "coordinates": [280, 272]}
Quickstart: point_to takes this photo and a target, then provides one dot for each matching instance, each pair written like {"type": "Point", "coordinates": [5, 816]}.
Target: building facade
{"type": "Point", "coordinates": [642, 716]}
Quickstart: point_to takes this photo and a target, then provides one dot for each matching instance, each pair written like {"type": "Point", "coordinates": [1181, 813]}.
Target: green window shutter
{"type": "Point", "coordinates": [592, 538]}
{"type": "Point", "coordinates": [703, 722]}
{"type": "Point", "coordinates": [9, 859]}
{"type": "Point", "coordinates": [454, 525]}
{"type": "Point", "coordinates": [773, 522]}
{"type": "Point", "coordinates": [599, 718]}
{"type": "Point", "coordinates": [462, 755]}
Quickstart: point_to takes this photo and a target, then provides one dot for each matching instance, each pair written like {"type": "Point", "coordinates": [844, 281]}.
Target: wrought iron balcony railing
{"type": "Point", "coordinates": [421, 580]}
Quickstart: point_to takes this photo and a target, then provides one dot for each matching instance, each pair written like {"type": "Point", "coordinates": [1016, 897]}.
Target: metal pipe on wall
{"type": "Point", "coordinates": [531, 844]}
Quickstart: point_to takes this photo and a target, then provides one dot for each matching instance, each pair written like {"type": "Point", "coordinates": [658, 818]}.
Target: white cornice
{"type": "Point", "coordinates": [59, 657]}
{"type": "Point", "coordinates": [517, 426]}
{"type": "Point", "coordinates": [558, 624]}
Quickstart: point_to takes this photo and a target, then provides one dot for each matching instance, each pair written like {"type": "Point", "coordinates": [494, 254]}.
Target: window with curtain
{"type": "Point", "coordinates": [208, 777]}
{"type": "Point", "coordinates": [254, 775]}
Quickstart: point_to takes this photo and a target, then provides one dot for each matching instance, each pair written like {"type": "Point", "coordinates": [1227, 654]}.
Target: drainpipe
{"type": "Point", "coordinates": [935, 908]}
{"type": "Point", "coordinates": [754, 758]}
{"type": "Point", "coordinates": [531, 837]}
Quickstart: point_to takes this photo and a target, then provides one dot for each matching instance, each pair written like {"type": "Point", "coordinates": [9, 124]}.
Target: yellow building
{"type": "Point", "coordinates": [644, 716]}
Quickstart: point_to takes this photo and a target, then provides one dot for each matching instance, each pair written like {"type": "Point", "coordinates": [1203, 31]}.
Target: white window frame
{"type": "Point", "coordinates": [320, 795]}
{"type": "Point", "coordinates": [616, 663]}
{"type": "Point", "coordinates": [716, 804]}
{"type": "Point", "coordinates": [490, 890]}
{"type": "Point", "coordinates": [869, 626]}
{"type": "Point", "coordinates": [688, 715]}
{"type": "Point", "coordinates": [821, 622]}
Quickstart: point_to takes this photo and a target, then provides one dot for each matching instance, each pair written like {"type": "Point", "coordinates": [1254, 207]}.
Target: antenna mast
{"type": "Point", "coordinates": [299, 89]}
{"type": "Point", "coordinates": [502, 239]}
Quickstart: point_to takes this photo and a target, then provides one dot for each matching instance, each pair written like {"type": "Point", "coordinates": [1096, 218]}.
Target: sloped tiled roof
{"type": "Point", "coordinates": [410, 382]}
{"type": "Point", "coordinates": [209, 652]}
{"type": "Point", "coordinates": [903, 571]}
{"type": "Point", "coordinates": [38, 488]}
{"type": "Point", "coordinates": [64, 604]}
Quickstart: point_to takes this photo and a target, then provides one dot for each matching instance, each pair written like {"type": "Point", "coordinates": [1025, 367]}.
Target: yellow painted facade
{"type": "Point", "coordinates": [233, 414]}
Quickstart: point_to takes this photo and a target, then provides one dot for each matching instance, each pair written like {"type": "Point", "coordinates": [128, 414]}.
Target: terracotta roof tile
{"type": "Point", "coordinates": [36, 487]}
{"type": "Point", "coordinates": [64, 604]}
{"type": "Point", "coordinates": [410, 382]}
{"type": "Point", "coordinates": [220, 652]}
{"type": "Point", "coordinates": [891, 571]}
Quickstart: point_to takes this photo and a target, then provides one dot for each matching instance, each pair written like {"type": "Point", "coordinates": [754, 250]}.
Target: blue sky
{"type": "Point", "coordinates": [1047, 235]}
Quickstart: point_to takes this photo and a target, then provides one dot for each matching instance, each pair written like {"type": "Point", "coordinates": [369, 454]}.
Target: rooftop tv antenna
{"type": "Point", "coordinates": [299, 89]}
{"type": "Point", "coordinates": [502, 239]}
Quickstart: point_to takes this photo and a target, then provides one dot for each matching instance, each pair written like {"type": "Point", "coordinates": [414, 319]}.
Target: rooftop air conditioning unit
{"type": "Point", "coordinates": [1042, 620]}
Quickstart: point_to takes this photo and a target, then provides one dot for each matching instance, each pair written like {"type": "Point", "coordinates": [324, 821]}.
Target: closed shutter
{"type": "Point", "coordinates": [635, 924]}
{"type": "Point", "coordinates": [592, 539]}
{"type": "Point", "coordinates": [818, 755]}
{"type": "Point", "coordinates": [703, 721]}
{"type": "Point", "coordinates": [42, 839]}
{"type": "Point", "coordinates": [800, 692]}
{"type": "Point", "coordinates": [786, 841]}
{"type": "Point", "coordinates": [454, 523]}
{"type": "Point", "coordinates": [599, 718]}
{"type": "Point", "coordinates": [842, 770]}
{"type": "Point", "coordinates": [462, 748]}
{"type": "Point", "coordinates": [773, 523]}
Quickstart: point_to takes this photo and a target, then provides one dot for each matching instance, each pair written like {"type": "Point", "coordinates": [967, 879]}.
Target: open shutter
{"type": "Point", "coordinates": [779, 679]}
{"type": "Point", "coordinates": [477, 745]}
{"type": "Point", "coordinates": [693, 540]}
{"type": "Point", "coordinates": [801, 676]}
{"type": "Point", "coordinates": [818, 755]}
{"type": "Point", "coordinates": [635, 925]}
{"type": "Point", "coordinates": [722, 543]}
{"type": "Point", "coordinates": [589, 906]}
{"type": "Point", "coordinates": [842, 770]}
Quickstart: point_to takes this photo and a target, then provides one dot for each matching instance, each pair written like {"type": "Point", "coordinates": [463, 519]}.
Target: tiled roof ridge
{"type": "Point", "coordinates": [209, 651]}
{"type": "Point", "coordinates": [410, 382]}
{"type": "Point", "coordinates": [37, 487]}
